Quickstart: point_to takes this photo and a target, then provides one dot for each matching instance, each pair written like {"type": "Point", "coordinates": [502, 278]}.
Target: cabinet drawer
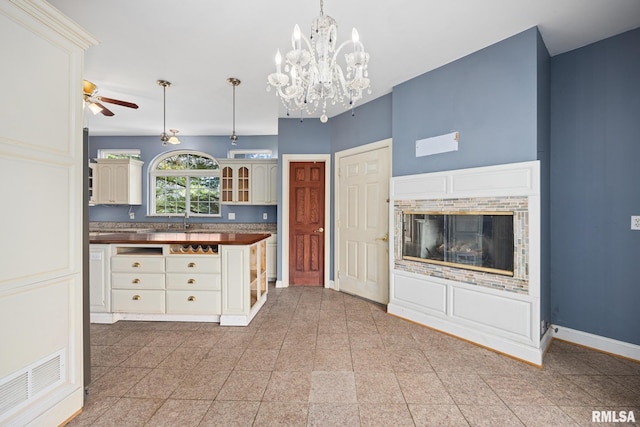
{"type": "Point", "coordinates": [193, 302]}
{"type": "Point", "coordinates": [140, 281]}
{"type": "Point", "coordinates": [196, 282]}
{"type": "Point", "coordinates": [137, 301]}
{"type": "Point", "coordinates": [140, 264]}
{"type": "Point", "coordinates": [191, 264]}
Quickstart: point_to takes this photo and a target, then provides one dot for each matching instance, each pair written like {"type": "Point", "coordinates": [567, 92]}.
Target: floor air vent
{"type": "Point", "coordinates": [20, 388]}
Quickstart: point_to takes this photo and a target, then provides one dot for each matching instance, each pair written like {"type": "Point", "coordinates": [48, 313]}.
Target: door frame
{"type": "Point", "coordinates": [287, 159]}
{"type": "Point", "coordinates": [384, 143]}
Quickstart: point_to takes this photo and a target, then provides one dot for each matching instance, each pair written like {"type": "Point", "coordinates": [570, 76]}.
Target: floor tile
{"type": "Point", "coordinates": [332, 360]}
{"type": "Point", "coordinates": [277, 414]}
{"type": "Point", "coordinates": [244, 385]}
{"type": "Point", "coordinates": [380, 387]}
{"type": "Point", "coordinates": [129, 412]}
{"type": "Point", "coordinates": [159, 383]}
{"type": "Point", "coordinates": [489, 415]}
{"type": "Point", "coordinates": [333, 387]}
{"type": "Point", "coordinates": [201, 385]}
{"type": "Point", "coordinates": [423, 388]}
{"type": "Point", "coordinates": [230, 414]}
{"type": "Point", "coordinates": [542, 416]}
{"type": "Point", "coordinates": [437, 415]}
{"type": "Point", "coordinates": [183, 413]}
{"type": "Point", "coordinates": [376, 414]}
{"type": "Point", "coordinates": [333, 414]}
{"type": "Point", "coordinates": [288, 386]}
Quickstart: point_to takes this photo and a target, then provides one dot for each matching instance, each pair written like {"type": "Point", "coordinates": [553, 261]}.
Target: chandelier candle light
{"type": "Point", "coordinates": [312, 75]}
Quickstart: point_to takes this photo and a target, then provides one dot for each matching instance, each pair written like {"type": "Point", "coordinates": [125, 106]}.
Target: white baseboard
{"type": "Point", "coordinates": [279, 284]}
{"type": "Point", "coordinates": [608, 345]}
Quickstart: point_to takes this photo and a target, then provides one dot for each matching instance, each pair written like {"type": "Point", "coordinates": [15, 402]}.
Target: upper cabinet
{"type": "Point", "coordinates": [118, 182]}
{"type": "Point", "coordinates": [235, 185]}
{"type": "Point", "coordinates": [249, 182]}
{"type": "Point", "coordinates": [264, 180]}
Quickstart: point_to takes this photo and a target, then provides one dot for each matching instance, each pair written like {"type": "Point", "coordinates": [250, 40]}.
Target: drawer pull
{"type": "Point", "coordinates": [136, 281]}
{"type": "Point", "coordinates": [135, 265]}
{"type": "Point", "coordinates": [191, 264]}
{"type": "Point", "coordinates": [191, 298]}
{"type": "Point", "coordinates": [136, 297]}
{"type": "Point", "coordinates": [191, 281]}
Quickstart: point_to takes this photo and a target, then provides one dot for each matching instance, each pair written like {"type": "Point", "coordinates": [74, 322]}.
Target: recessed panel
{"type": "Point", "coordinates": [352, 207]}
{"type": "Point", "coordinates": [372, 196]}
{"type": "Point", "coordinates": [352, 258]}
{"type": "Point", "coordinates": [371, 262]}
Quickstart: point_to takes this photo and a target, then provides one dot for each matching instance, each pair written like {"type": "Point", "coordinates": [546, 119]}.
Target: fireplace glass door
{"type": "Point", "coordinates": [482, 242]}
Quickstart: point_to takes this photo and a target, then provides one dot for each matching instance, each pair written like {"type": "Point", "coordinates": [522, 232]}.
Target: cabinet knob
{"type": "Point", "coordinates": [135, 265]}
{"type": "Point", "coordinates": [136, 297]}
{"type": "Point", "coordinates": [136, 281]}
{"type": "Point", "coordinates": [191, 281]}
{"type": "Point", "coordinates": [191, 264]}
{"type": "Point", "coordinates": [191, 298]}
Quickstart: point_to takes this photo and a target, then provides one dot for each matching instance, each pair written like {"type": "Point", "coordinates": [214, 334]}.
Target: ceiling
{"type": "Point", "coordinates": [198, 44]}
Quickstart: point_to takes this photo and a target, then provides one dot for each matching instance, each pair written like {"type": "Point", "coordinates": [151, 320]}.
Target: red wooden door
{"type": "Point", "coordinates": [306, 223]}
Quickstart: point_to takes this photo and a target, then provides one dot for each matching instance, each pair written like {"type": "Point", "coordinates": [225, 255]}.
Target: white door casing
{"type": "Point", "coordinates": [362, 218]}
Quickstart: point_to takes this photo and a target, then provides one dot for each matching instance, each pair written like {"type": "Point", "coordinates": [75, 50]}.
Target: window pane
{"type": "Point", "coordinates": [187, 161]}
{"type": "Point", "coordinates": [171, 194]}
{"type": "Point", "coordinates": [204, 195]}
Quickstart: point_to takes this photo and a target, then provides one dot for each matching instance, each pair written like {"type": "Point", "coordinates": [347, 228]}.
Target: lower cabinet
{"type": "Point", "coordinates": [178, 282]}
{"type": "Point", "coordinates": [100, 278]}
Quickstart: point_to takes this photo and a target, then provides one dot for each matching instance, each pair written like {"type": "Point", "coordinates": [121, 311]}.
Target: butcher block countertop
{"type": "Point", "coordinates": [197, 238]}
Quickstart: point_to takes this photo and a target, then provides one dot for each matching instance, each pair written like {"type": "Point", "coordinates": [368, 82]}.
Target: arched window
{"type": "Point", "coordinates": [184, 182]}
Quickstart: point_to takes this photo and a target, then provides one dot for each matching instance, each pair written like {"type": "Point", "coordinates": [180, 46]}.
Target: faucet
{"type": "Point", "coordinates": [186, 217]}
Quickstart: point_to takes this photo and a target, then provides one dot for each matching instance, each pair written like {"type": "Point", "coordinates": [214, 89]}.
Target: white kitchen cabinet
{"type": "Point", "coordinates": [99, 278]}
{"type": "Point", "coordinates": [264, 182]}
{"type": "Point", "coordinates": [193, 284]}
{"type": "Point", "coordinates": [244, 282]}
{"type": "Point", "coordinates": [118, 182]}
{"type": "Point", "coordinates": [272, 257]}
{"type": "Point", "coordinates": [235, 183]}
{"type": "Point", "coordinates": [138, 280]}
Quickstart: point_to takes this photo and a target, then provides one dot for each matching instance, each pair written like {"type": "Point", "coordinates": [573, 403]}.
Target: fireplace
{"type": "Point", "coordinates": [474, 241]}
{"type": "Point", "coordinates": [467, 253]}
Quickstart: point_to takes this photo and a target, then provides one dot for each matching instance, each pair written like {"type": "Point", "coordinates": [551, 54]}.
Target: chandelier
{"type": "Point", "coordinates": [312, 76]}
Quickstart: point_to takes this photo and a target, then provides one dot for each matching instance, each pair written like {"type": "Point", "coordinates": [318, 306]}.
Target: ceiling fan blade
{"type": "Point", "coordinates": [118, 102]}
{"type": "Point", "coordinates": [105, 111]}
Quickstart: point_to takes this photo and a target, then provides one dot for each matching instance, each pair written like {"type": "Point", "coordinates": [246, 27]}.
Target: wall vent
{"type": "Point", "coordinates": [21, 388]}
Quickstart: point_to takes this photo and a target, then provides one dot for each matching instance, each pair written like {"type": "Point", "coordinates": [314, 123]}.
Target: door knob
{"type": "Point", "coordinates": [384, 238]}
{"type": "Point", "coordinates": [319, 230]}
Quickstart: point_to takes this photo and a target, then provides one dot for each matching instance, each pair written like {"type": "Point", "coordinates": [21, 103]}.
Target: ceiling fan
{"type": "Point", "coordinates": [94, 102]}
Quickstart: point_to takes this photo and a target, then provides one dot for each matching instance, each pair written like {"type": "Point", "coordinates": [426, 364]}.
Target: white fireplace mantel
{"type": "Point", "coordinates": [505, 321]}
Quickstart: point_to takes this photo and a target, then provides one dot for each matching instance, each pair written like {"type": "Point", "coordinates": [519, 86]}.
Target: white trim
{"type": "Point", "coordinates": [608, 345]}
{"type": "Point", "coordinates": [385, 143]}
{"type": "Point", "coordinates": [284, 261]}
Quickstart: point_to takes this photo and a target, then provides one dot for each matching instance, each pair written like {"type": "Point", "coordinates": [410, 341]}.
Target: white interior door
{"type": "Point", "coordinates": [363, 223]}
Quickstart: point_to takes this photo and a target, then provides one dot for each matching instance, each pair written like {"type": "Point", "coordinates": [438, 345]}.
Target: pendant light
{"type": "Point", "coordinates": [166, 139]}
{"type": "Point", "coordinates": [234, 82]}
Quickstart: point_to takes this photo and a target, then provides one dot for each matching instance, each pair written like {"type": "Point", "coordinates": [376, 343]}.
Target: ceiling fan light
{"type": "Point", "coordinates": [173, 140]}
{"type": "Point", "coordinates": [95, 108]}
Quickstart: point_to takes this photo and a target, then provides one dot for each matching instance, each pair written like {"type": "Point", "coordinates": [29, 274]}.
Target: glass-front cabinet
{"type": "Point", "coordinates": [235, 184]}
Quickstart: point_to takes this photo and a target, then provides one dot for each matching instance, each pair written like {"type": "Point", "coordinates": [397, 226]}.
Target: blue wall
{"type": "Point", "coordinates": [595, 123]}
{"type": "Point", "coordinates": [151, 147]}
{"type": "Point", "coordinates": [490, 97]}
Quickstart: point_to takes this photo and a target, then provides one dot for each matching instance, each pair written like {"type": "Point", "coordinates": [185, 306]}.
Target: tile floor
{"type": "Point", "coordinates": [316, 357]}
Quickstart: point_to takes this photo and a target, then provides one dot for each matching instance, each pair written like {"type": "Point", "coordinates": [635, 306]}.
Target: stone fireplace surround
{"type": "Point", "coordinates": [498, 312]}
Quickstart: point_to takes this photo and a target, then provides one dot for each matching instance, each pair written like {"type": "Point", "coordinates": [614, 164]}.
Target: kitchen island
{"type": "Point", "coordinates": [178, 276]}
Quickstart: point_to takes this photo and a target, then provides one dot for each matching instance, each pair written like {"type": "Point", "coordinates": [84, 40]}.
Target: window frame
{"type": "Point", "coordinates": [154, 172]}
